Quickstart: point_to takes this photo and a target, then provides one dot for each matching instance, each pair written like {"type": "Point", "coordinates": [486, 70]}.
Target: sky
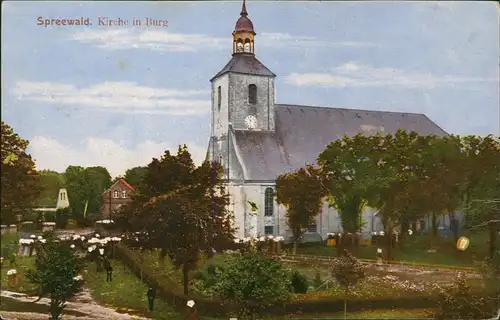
{"type": "Point", "coordinates": [117, 96]}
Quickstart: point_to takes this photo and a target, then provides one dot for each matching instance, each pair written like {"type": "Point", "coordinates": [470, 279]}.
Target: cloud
{"type": "Point", "coordinates": [121, 39]}
{"type": "Point", "coordinates": [352, 74]}
{"type": "Point", "coordinates": [51, 154]}
{"type": "Point", "coordinates": [125, 97]}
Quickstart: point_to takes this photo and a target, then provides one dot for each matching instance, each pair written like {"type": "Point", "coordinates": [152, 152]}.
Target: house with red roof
{"type": "Point", "coordinates": [115, 197]}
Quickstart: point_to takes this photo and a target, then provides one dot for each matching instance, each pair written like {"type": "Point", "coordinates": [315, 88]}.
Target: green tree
{"type": "Point", "coordinates": [20, 184]}
{"type": "Point", "coordinates": [100, 180]}
{"type": "Point", "coordinates": [185, 218]}
{"type": "Point", "coordinates": [55, 274]}
{"type": "Point", "coordinates": [135, 176]}
{"type": "Point", "coordinates": [379, 171]}
{"type": "Point", "coordinates": [302, 193]}
{"type": "Point", "coordinates": [346, 165]}
{"type": "Point", "coordinates": [79, 189]}
{"type": "Point", "coordinates": [86, 185]}
{"type": "Point", "coordinates": [441, 188]}
{"type": "Point", "coordinates": [483, 185]}
{"type": "Point", "coordinates": [50, 183]}
{"type": "Point", "coordinates": [255, 282]}
{"type": "Point", "coordinates": [347, 270]}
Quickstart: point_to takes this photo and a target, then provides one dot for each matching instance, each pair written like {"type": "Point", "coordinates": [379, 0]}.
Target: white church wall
{"type": "Point", "coordinates": [237, 196]}
{"type": "Point", "coordinates": [220, 115]}
{"type": "Point", "coordinates": [328, 220]}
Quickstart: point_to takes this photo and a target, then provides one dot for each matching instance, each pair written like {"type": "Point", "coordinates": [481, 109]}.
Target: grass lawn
{"type": "Point", "coordinates": [126, 293]}
{"type": "Point", "coordinates": [416, 251]}
{"type": "Point", "coordinates": [22, 265]}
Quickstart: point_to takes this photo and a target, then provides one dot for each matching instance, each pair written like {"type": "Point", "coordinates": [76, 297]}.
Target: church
{"type": "Point", "coordinates": [256, 139]}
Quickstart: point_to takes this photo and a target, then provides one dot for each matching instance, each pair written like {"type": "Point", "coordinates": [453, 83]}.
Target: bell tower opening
{"type": "Point", "coordinates": [243, 35]}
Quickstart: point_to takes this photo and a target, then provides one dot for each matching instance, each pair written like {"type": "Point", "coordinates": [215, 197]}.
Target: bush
{"type": "Point", "coordinates": [300, 284]}
{"type": "Point", "coordinates": [457, 301]}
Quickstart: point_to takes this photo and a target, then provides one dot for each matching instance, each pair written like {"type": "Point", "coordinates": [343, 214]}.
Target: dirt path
{"type": "Point", "coordinates": [83, 303]}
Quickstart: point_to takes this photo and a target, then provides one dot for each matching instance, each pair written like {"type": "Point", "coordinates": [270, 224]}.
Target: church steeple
{"type": "Point", "coordinates": [243, 35]}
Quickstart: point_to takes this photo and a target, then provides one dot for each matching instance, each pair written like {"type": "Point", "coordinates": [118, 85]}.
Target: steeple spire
{"type": "Point", "coordinates": [243, 35]}
{"type": "Point", "coordinates": [244, 12]}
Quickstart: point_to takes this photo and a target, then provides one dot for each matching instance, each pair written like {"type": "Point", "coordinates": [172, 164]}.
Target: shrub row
{"type": "Point", "coordinates": [171, 292]}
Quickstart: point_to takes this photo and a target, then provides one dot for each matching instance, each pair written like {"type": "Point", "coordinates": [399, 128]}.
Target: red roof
{"type": "Point", "coordinates": [126, 184]}
{"type": "Point", "coordinates": [244, 24]}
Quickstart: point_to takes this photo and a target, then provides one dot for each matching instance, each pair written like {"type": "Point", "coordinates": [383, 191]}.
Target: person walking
{"type": "Point", "coordinates": [109, 272]}
{"type": "Point", "coordinates": [151, 297]}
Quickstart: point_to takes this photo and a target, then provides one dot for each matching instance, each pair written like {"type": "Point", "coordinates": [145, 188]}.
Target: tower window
{"type": "Point", "coordinates": [269, 202]}
{"type": "Point", "coordinates": [239, 46]}
{"type": "Point", "coordinates": [246, 47]}
{"type": "Point", "coordinates": [219, 97]}
{"type": "Point", "coordinates": [252, 94]}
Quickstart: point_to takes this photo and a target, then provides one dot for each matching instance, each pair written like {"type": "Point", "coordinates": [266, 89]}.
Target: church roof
{"type": "Point", "coordinates": [303, 132]}
{"type": "Point", "coordinates": [245, 64]}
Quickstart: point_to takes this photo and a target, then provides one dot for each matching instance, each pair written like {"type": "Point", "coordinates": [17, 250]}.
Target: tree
{"type": "Point", "coordinates": [56, 274]}
{"type": "Point", "coordinates": [483, 184]}
{"type": "Point", "coordinates": [100, 180]}
{"type": "Point", "coordinates": [441, 188]}
{"type": "Point", "coordinates": [302, 193]}
{"type": "Point", "coordinates": [347, 270]}
{"type": "Point", "coordinates": [135, 176]}
{"type": "Point", "coordinates": [85, 187]}
{"type": "Point", "coordinates": [19, 183]}
{"type": "Point", "coordinates": [253, 281]}
{"type": "Point", "coordinates": [180, 209]}
{"type": "Point", "coordinates": [50, 183]}
{"type": "Point", "coordinates": [79, 189]}
{"type": "Point", "coordinates": [345, 164]}
{"type": "Point", "coordinates": [379, 171]}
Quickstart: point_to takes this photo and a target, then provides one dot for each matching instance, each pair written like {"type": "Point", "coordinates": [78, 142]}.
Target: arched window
{"type": "Point", "coordinates": [252, 94]}
{"type": "Point", "coordinates": [219, 96]}
{"type": "Point", "coordinates": [124, 194]}
{"type": "Point", "coordinates": [115, 194]}
{"type": "Point", "coordinates": [269, 202]}
{"type": "Point", "coordinates": [246, 47]}
{"type": "Point", "coordinates": [239, 46]}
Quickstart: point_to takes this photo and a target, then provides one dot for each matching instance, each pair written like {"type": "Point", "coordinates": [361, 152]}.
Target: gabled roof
{"type": "Point", "coordinates": [245, 63]}
{"type": "Point", "coordinates": [303, 132]}
{"type": "Point", "coordinates": [126, 184]}
{"type": "Point", "coordinates": [123, 182]}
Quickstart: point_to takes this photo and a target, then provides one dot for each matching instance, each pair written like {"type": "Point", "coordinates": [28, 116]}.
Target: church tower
{"type": "Point", "coordinates": [243, 91]}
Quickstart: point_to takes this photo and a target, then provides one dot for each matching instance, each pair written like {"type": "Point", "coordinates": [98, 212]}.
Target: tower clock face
{"type": "Point", "coordinates": [251, 122]}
